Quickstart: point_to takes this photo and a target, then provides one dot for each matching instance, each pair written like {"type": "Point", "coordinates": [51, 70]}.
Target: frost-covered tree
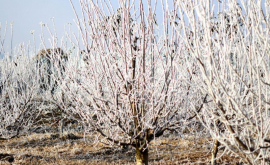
{"type": "Point", "coordinates": [133, 88]}
{"type": "Point", "coordinates": [18, 89]}
{"type": "Point", "coordinates": [50, 65]}
{"type": "Point", "coordinates": [231, 50]}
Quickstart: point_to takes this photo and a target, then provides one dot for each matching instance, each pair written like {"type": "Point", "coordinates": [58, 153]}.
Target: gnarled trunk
{"type": "Point", "coordinates": [141, 156]}
{"type": "Point", "coordinates": [214, 152]}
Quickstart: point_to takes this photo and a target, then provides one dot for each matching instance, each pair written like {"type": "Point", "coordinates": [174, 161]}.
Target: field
{"type": "Point", "coordinates": [172, 77]}
{"type": "Point", "coordinates": [71, 149]}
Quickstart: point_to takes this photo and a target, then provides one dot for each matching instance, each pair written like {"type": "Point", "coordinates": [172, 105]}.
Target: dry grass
{"type": "Point", "coordinates": [49, 149]}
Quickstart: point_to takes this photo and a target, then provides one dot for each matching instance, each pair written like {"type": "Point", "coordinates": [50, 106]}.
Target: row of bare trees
{"type": "Point", "coordinates": [28, 90]}
{"type": "Point", "coordinates": [204, 61]}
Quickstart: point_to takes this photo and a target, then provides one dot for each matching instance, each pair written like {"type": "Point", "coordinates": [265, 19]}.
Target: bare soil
{"type": "Point", "coordinates": [75, 149]}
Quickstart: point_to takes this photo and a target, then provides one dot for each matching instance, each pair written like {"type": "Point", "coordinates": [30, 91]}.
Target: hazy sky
{"type": "Point", "coordinates": [26, 15]}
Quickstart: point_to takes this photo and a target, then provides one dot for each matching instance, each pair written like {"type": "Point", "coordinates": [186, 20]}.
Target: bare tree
{"type": "Point", "coordinates": [50, 64]}
{"type": "Point", "coordinates": [18, 90]}
{"type": "Point", "coordinates": [133, 88]}
{"type": "Point", "coordinates": [50, 69]}
{"type": "Point", "coordinates": [232, 55]}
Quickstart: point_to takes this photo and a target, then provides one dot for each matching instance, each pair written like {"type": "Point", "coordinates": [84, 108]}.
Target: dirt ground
{"type": "Point", "coordinates": [75, 149]}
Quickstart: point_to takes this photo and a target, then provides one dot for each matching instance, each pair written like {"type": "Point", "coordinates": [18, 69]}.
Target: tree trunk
{"type": "Point", "coordinates": [141, 156]}
{"type": "Point", "coordinates": [214, 152]}
{"type": "Point", "coordinates": [61, 127]}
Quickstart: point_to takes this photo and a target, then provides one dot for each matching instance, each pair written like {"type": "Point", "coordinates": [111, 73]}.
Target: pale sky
{"type": "Point", "coordinates": [26, 15]}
